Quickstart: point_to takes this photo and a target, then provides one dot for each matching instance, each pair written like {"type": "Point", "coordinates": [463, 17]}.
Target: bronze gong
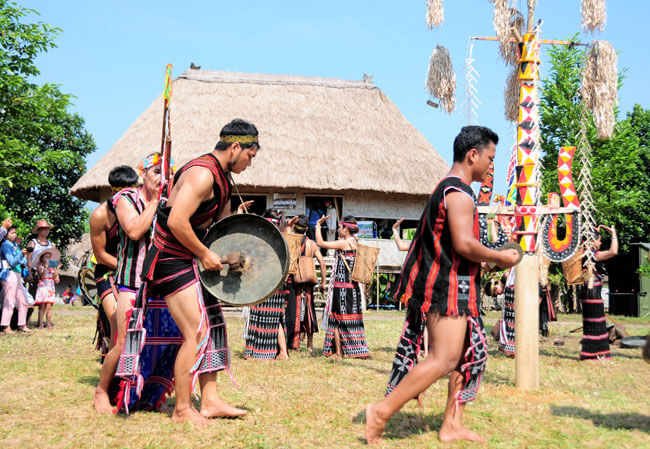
{"type": "Point", "coordinates": [255, 258]}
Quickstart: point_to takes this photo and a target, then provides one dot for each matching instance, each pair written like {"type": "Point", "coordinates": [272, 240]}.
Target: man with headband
{"type": "Point", "coordinates": [200, 196]}
{"type": "Point", "coordinates": [135, 209]}
{"type": "Point", "coordinates": [104, 238]}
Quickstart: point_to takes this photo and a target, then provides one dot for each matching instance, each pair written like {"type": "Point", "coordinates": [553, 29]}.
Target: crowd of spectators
{"type": "Point", "coordinates": [29, 274]}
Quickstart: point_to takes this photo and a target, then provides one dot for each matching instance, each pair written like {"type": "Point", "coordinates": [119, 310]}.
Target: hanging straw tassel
{"type": "Point", "coordinates": [435, 13]}
{"type": "Point", "coordinates": [501, 20]}
{"type": "Point", "coordinates": [599, 86]}
{"type": "Point", "coordinates": [441, 79]}
{"type": "Point", "coordinates": [508, 49]}
{"type": "Point", "coordinates": [511, 96]}
{"type": "Point", "coordinates": [594, 15]}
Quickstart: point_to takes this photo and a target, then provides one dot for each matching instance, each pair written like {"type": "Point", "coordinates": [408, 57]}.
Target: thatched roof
{"type": "Point", "coordinates": [316, 134]}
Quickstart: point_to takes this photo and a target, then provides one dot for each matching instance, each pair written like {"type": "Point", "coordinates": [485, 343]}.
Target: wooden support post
{"type": "Point", "coordinates": [527, 323]}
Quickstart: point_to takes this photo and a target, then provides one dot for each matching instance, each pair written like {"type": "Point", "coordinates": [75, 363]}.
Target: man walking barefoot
{"type": "Point", "coordinates": [440, 283]}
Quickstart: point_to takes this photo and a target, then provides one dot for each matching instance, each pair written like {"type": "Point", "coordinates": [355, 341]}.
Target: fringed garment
{"type": "Point", "coordinates": [344, 310]}
{"type": "Point", "coordinates": [507, 323]}
{"type": "Point", "coordinates": [264, 324]}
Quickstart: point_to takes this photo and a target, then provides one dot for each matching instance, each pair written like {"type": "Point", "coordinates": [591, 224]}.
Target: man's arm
{"type": "Point", "coordinates": [135, 225]}
{"type": "Point", "coordinates": [98, 220]}
{"type": "Point", "coordinates": [460, 214]}
{"type": "Point", "coordinates": [195, 188]}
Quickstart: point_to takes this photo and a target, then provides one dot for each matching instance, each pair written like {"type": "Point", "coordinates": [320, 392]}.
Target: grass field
{"type": "Point", "coordinates": [47, 379]}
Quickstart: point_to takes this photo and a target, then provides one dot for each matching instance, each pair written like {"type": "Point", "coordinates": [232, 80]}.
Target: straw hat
{"type": "Point", "coordinates": [55, 253]}
{"type": "Point", "coordinates": [42, 223]}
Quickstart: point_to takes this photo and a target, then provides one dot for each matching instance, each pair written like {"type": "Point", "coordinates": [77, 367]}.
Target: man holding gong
{"type": "Point", "coordinates": [199, 197]}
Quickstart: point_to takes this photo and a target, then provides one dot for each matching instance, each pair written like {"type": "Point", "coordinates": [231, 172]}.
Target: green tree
{"type": "Point", "coordinates": [42, 145]}
{"type": "Point", "coordinates": [620, 173]}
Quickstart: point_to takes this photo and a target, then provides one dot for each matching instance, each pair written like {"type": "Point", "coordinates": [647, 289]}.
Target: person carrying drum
{"type": "Point", "coordinates": [199, 197]}
{"type": "Point", "coordinates": [135, 209]}
{"type": "Point", "coordinates": [440, 283]}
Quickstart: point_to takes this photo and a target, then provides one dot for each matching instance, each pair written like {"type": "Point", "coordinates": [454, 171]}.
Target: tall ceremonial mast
{"type": "Point", "coordinates": [521, 48]}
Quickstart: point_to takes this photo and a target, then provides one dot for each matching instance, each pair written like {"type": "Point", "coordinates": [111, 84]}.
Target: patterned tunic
{"type": "Point", "coordinates": [131, 253]}
{"type": "Point", "coordinates": [345, 310]}
{"type": "Point", "coordinates": [434, 277]}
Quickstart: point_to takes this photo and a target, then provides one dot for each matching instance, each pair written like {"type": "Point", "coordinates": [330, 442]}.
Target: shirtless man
{"type": "Point", "coordinates": [104, 238]}
{"type": "Point", "coordinates": [440, 279]}
{"type": "Point", "coordinates": [135, 209]}
{"type": "Point", "coordinates": [200, 196]}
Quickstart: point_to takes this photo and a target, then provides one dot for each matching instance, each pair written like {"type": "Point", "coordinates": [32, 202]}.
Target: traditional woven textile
{"type": "Point", "coordinates": [472, 364]}
{"type": "Point", "coordinates": [156, 361]}
{"type": "Point", "coordinates": [595, 339]}
{"type": "Point", "coordinates": [264, 324]}
{"type": "Point", "coordinates": [300, 314]}
{"type": "Point", "coordinates": [345, 313]}
{"type": "Point", "coordinates": [214, 353]}
{"type": "Point", "coordinates": [507, 328]}
{"type": "Point", "coordinates": [408, 348]}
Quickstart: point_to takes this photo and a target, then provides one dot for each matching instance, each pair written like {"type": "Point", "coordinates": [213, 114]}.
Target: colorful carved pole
{"type": "Point", "coordinates": [526, 218]}
{"type": "Point", "coordinates": [556, 249]}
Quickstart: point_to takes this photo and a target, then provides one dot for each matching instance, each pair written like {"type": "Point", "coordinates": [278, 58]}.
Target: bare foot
{"type": "Point", "coordinates": [101, 402]}
{"type": "Point", "coordinates": [220, 409]}
{"type": "Point", "coordinates": [449, 433]}
{"type": "Point", "coordinates": [7, 330]}
{"type": "Point", "coordinates": [189, 415]}
{"type": "Point", "coordinates": [282, 356]}
{"type": "Point", "coordinates": [374, 425]}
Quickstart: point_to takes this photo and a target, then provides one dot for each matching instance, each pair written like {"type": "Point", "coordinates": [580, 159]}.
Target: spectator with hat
{"type": "Point", "coordinates": [47, 267]}
{"type": "Point", "coordinates": [13, 264]}
{"type": "Point", "coordinates": [38, 245]}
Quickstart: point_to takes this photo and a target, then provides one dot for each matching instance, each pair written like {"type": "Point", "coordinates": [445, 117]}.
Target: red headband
{"type": "Point", "coordinates": [343, 223]}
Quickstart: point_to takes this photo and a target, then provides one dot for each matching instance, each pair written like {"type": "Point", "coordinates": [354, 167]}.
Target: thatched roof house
{"type": "Point", "coordinates": [319, 137]}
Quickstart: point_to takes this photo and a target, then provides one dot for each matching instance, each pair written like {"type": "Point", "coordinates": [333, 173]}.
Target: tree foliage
{"type": "Point", "coordinates": [620, 172]}
{"type": "Point", "coordinates": [42, 144]}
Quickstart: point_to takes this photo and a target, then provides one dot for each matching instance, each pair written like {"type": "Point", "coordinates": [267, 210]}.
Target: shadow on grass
{"type": "Point", "coordinates": [402, 425]}
{"type": "Point", "coordinates": [93, 381]}
{"type": "Point", "coordinates": [609, 420]}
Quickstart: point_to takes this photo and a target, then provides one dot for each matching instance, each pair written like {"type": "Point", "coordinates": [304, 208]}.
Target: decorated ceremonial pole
{"type": "Point", "coordinates": [526, 218]}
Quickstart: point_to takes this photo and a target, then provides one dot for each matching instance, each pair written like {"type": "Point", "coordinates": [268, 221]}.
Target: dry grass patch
{"type": "Point", "coordinates": [48, 378]}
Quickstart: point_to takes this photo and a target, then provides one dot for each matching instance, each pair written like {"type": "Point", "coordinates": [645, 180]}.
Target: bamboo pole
{"type": "Point", "coordinates": [526, 323]}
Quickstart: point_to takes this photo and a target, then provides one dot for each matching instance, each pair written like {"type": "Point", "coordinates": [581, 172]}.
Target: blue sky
{"type": "Point", "coordinates": [111, 55]}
